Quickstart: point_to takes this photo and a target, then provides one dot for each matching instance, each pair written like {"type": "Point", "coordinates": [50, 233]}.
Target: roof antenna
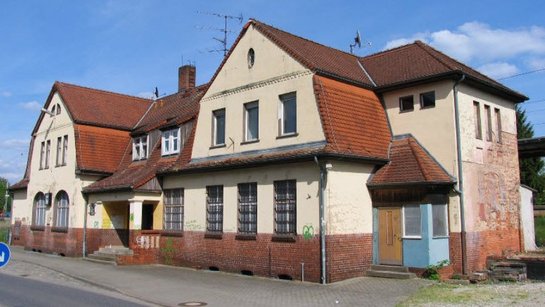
{"type": "Point", "coordinates": [224, 29]}
{"type": "Point", "coordinates": [357, 42]}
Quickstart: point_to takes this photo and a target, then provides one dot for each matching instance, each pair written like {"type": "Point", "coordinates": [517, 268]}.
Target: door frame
{"type": "Point", "coordinates": [396, 236]}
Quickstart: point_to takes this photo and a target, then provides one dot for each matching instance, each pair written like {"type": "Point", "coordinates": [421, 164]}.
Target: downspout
{"type": "Point", "coordinates": [460, 174]}
{"type": "Point", "coordinates": [323, 173]}
{"type": "Point", "coordinates": [84, 244]}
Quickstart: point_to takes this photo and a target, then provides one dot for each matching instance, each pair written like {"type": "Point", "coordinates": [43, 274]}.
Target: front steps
{"type": "Point", "coordinates": [108, 254]}
{"type": "Point", "coordinates": [390, 271]}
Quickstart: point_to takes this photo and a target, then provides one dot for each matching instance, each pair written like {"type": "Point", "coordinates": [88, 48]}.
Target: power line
{"type": "Point", "coordinates": [523, 73]}
{"type": "Point", "coordinates": [534, 101]}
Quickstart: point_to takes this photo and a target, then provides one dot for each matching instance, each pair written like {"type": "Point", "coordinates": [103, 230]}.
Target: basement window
{"type": "Point", "coordinates": [406, 103]}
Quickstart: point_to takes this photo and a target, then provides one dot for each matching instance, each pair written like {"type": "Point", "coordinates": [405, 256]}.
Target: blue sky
{"type": "Point", "coordinates": [133, 46]}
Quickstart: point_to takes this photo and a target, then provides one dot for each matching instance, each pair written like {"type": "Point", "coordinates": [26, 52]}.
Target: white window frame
{"type": "Point", "coordinates": [39, 208]}
{"type": "Point", "coordinates": [427, 94]}
{"type": "Point", "coordinates": [214, 208]}
{"type": "Point", "coordinates": [173, 213]}
{"type": "Point", "coordinates": [247, 208]}
{"type": "Point", "coordinates": [215, 116]}
{"type": "Point", "coordinates": [168, 136]}
{"type": "Point", "coordinates": [42, 155]}
{"type": "Point", "coordinates": [140, 148]}
{"type": "Point", "coordinates": [47, 154]}
{"type": "Point", "coordinates": [446, 221]}
{"type": "Point", "coordinates": [247, 107]}
{"type": "Point", "coordinates": [403, 222]}
{"type": "Point", "coordinates": [64, 149]}
{"type": "Point", "coordinates": [62, 209]}
{"type": "Point", "coordinates": [281, 114]}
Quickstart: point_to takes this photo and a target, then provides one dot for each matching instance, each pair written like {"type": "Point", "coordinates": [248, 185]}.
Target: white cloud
{"type": "Point", "coordinates": [11, 171]}
{"type": "Point", "coordinates": [5, 93]}
{"type": "Point", "coordinates": [31, 105]}
{"type": "Point", "coordinates": [475, 40]}
{"type": "Point", "coordinates": [14, 143]}
{"type": "Point", "coordinates": [147, 95]}
{"type": "Point", "coordinates": [499, 69]}
{"type": "Point", "coordinates": [536, 63]}
{"type": "Point", "coordinates": [403, 41]}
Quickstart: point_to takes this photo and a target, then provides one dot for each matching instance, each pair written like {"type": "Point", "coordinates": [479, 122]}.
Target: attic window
{"type": "Point", "coordinates": [406, 103]}
{"type": "Point", "coordinates": [251, 58]}
{"type": "Point", "coordinates": [58, 109]}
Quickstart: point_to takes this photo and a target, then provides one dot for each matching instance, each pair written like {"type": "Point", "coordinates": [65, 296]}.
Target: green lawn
{"type": "Point", "coordinates": [4, 227]}
{"type": "Point", "coordinates": [540, 230]}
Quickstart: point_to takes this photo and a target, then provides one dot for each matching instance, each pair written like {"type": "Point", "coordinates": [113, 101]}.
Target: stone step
{"type": "Point", "coordinates": [100, 259]}
{"type": "Point", "coordinates": [115, 250]}
{"type": "Point", "coordinates": [390, 274]}
{"type": "Point", "coordinates": [104, 256]}
{"type": "Point", "coordinates": [389, 268]}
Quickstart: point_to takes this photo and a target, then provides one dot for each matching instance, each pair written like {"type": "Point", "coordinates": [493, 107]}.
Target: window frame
{"type": "Point", "coordinates": [497, 114]}
{"type": "Point", "coordinates": [488, 114]}
{"type": "Point", "coordinates": [42, 154]}
{"type": "Point", "coordinates": [168, 140]}
{"type": "Point", "coordinates": [247, 108]}
{"type": "Point", "coordinates": [216, 114]}
{"type": "Point", "coordinates": [39, 206]}
{"type": "Point", "coordinates": [404, 223]}
{"type": "Point", "coordinates": [477, 119]}
{"type": "Point", "coordinates": [446, 224]}
{"type": "Point", "coordinates": [402, 106]}
{"type": "Point", "coordinates": [59, 152]}
{"type": "Point", "coordinates": [171, 209]}
{"type": "Point", "coordinates": [47, 154]}
{"type": "Point", "coordinates": [247, 208]}
{"type": "Point", "coordinates": [214, 209]}
{"type": "Point", "coordinates": [62, 210]}
{"type": "Point", "coordinates": [422, 98]}
{"type": "Point", "coordinates": [64, 149]}
{"type": "Point", "coordinates": [283, 116]}
{"type": "Point", "coordinates": [140, 148]}
{"type": "Point", "coordinates": [280, 214]}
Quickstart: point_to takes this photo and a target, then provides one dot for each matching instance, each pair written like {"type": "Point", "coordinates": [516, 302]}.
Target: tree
{"type": "Point", "coordinates": [3, 187]}
{"type": "Point", "coordinates": [532, 172]}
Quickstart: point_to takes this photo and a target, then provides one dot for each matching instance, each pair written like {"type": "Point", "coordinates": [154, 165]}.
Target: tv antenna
{"type": "Point", "coordinates": [225, 30]}
{"type": "Point", "coordinates": [357, 42]}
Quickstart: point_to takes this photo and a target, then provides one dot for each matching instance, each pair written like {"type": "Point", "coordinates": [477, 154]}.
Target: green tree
{"type": "Point", "coordinates": [531, 169]}
{"type": "Point", "coordinates": [3, 187]}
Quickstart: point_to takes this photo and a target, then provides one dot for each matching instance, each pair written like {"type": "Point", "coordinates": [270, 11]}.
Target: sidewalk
{"type": "Point", "coordinates": [171, 286]}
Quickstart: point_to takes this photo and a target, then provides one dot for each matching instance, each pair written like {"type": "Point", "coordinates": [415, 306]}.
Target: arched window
{"type": "Point", "coordinates": [53, 110]}
{"type": "Point", "coordinates": [39, 210]}
{"type": "Point", "coordinates": [61, 210]}
{"type": "Point", "coordinates": [58, 109]}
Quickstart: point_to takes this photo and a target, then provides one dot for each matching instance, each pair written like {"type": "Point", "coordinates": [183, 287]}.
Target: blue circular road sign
{"type": "Point", "coordinates": [5, 253]}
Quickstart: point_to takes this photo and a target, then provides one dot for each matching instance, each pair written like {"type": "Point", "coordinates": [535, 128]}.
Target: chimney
{"type": "Point", "coordinates": [186, 77]}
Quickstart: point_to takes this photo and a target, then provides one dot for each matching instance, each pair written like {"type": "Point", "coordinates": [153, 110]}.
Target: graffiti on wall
{"type": "Point", "coordinates": [308, 232]}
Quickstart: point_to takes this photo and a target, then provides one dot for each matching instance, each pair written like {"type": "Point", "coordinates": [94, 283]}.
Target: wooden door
{"type": "Point", "coordinates": [389, 236]}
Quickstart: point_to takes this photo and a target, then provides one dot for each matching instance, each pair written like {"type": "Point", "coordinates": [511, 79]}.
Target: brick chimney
{"type": "Point", "coordinates": [186, 77]}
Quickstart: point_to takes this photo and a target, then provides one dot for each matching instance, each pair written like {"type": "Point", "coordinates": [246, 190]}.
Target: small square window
{"type": "Point", "coordinates": [427, 100]}
{"type": "Point", "coordinates": [406, 103]}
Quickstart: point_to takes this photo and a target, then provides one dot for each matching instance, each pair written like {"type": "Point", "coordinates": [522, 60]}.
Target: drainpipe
{"type": "Point", "coordinates": [323, 174]}
{"type": "Point", "coordinates": [84, 244]}
{"type": "Point", "coordinates": [460, 174]}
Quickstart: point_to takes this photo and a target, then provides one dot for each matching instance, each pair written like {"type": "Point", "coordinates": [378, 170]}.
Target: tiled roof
{"type": "Point", "coordinates": [410, 164]}
{"type": "Point", "coordinates": [419, 61]}
{"type": "Point", "coordinates": [175, 109]}
{"type": "Point", "coordinates": [353, 119]}
{"type": "Point", "coordinates": [22, 184]}
{"type": "Point", "coordinates": [99, 149]}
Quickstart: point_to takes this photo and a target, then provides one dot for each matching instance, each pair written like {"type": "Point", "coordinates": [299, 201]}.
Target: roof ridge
{"type": "Point", "coordinates": [427, 48]}
{"type": "Point", "coordinates": [303, 38]}
{"type": "Point", "coordinates": [411, 141]}
{"type": "Point", "coordinates": [100, 90]}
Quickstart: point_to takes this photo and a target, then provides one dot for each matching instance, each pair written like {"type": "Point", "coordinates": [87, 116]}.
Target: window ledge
{"type": "Point", "coordinates": [249, 142]}
{"type": "Point", "coordinates": [37, 228]}
{"type": "Point", "coordinates": [427, 107]}
{"type": "Point", "coordinates": [287, 135]}
{"type": "Point", "coordinates": [165, 155]}
{"type": "Point", "coordinates": [441, 237]}
{"type": "Point", "coordinates": [172, 233]}
{"type": "Point", "coordinates": [59, 229]}
{"type": "Point", "coordinates": [213, 235]}
{"type": "Point", "coordinates": [412, 238]}
{"type": "Point", "coordinates": [218, 146]}
{"type": "Point", "coordinates": [283, 238]}
{"type": "Point", "coordinates": [406, 111]}
{"type": "Point", "coordinates": [246, 236]}
{"type": "Point", "coordinates": [151, 232]}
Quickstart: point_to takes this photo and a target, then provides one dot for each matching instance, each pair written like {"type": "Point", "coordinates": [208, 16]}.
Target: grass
{"type": "Point", "coordinates": [4, 227]}
{"type": "Point", "coordinates": [446, 294]}
{"type": "Point", "coordinates": [540, 230]}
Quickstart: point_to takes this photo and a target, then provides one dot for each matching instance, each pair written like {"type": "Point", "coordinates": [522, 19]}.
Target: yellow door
{"type": "Point", "coordinates": [389, 236]}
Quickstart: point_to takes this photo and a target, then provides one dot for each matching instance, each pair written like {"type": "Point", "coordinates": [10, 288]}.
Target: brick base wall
{"type": "Point", "coordinates": [348, 256]}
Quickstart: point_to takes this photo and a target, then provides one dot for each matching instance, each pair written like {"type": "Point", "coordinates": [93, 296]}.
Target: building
{"type": "Point", "coordinates": [298, 160]}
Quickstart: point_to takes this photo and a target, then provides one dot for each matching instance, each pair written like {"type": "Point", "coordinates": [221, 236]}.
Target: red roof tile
{"type": "Point", "coordinates": [353, 119]}
{"type": "Point", "coordinates": [99, 149]}
{"type": "Point", "coordinates": [410, 164]}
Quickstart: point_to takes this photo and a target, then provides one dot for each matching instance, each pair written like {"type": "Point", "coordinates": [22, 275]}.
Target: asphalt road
{"type": "Point", "coordinates": [20, 291]}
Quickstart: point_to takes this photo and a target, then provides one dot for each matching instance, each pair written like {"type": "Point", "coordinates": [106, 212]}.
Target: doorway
{"type": "Point", "coordinates": [147, 216]}
{"type": "Point", "coordinates": [390, 239]}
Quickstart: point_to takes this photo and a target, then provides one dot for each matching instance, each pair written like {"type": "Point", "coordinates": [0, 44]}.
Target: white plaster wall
{"type": "Point", "coordinates": [274, 73]}
{"type": "Point", "coordinates": [527, 218]}
{"type": "Point", "coordinates": [349, 207]}
{"type": "Point", "coordinates": [306, 174]}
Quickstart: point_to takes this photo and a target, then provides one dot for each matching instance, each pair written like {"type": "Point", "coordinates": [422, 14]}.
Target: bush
{"type": "Point", "coordinates": [540, 230]}
{"type": "Point", "coordinates": [432, 270]}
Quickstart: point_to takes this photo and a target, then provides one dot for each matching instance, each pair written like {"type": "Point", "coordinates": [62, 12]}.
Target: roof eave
{"type": "Point", "coordinates": [396, 185]}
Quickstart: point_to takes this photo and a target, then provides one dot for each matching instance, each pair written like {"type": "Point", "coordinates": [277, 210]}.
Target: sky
{"type": "Point", "coordinates": [133, 46]}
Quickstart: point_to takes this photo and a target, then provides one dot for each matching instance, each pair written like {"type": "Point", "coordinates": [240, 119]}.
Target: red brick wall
{"type": "Point", "coordinates": [348, 256]}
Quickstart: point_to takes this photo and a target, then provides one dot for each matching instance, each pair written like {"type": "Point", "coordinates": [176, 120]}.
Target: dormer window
{"type": "Point", "coordinates": [170, 141]}
{"type": "Point", "coordinates": [140, 148]}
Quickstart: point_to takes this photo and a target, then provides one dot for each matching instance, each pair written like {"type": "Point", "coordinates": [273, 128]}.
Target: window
{"type": "Point", "coordinates": [247, 208]}
{"type": "Point", "coordinates": [427, 100]}
{"type": "Point", "coordinates": [58, 161]}
{"type": "Point", "coordinates": [251, 58]}
{"type": "Point", "coordinates": [284, 207]}
{"type": "Point", "coordinates": [412, 221]}
{"type": "Point", "coordinates": [218, 137]}
{"type": "Point", "coordinates": [477, 113]}
{"type": "Point", "coordinates": [42, 155]}
{"type": "Point", "coordinates": [488, 114]}
{"type": "Point", "coordinates": [170, 142]}
{"type": "Point", "coordinates": [53, 111]}
{"type": "Point", "coordinates": [214, 208]}
{"type": "Point", "coordinates": [61, 210]}
{"type": "Point", "coordinates": [39, 210]}
{"type": "Point", "coordinates": [64, 149]}
{"type": "Point", "coordinates": [47, 152]}
{"type": "Point", "coordinates": [173, 214]}
{"type": "Point", "coordinates": [251, 119]}
{"type": "Point", "coordinates": [498, 124]}
{"type": "Point", "coordinates": [406, 103]}
{"type": "Point", "coordinates": [288, 114]}
{"type": "Point", "coordinates": [58, 109]}
{"type": "Point", "coordinates": [140, 148]}
{"type": "Point", "coordinates": [440, 220]}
